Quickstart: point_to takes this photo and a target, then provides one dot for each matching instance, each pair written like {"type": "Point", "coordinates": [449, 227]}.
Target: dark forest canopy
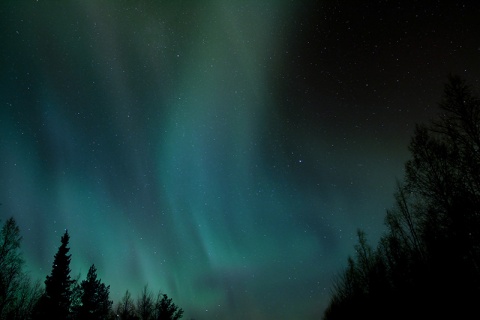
{"type": "Point", "coordinates": [426, 266]}
{"type": "Point", "coordinates": [61, 297]}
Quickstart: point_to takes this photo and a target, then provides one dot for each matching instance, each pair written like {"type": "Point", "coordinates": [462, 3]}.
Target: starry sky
{"type": "Point", "coordinates": [223, 152]}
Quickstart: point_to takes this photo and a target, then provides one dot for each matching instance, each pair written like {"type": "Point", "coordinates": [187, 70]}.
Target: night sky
{"type": "Point", "coordinates": [223, 152]}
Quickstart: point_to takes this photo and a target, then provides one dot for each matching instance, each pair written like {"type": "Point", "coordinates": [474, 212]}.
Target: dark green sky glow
{"type": "Point", "coordinates": [224, 152]}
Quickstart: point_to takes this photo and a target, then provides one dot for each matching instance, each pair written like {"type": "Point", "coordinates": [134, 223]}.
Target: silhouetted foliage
{"type": "Point", "coordinates": [56, 301]}
{"type": "Point", "coordinates": [166, 309]}
{"type": "Point", "coordinates": [145, 305]}
{"type": "Point", "coordinates": [63, 298]}
{"type": "Point", "coordinates": [146, 308]}
{"type": "Point", "coordinates": [76, 297]}
{"type": "Point", "coordinates": [27, 295]}
{"type": "Point", "coordinates": [427, 264]}
{"type": "Point", "coordinates": [11, 264]}
{"type": "Point", "coordinates": [126, 308]}
{"type": "Point", "coordinates": [95, 303]}
{"type": "Point", "coordinates": [17, 293]}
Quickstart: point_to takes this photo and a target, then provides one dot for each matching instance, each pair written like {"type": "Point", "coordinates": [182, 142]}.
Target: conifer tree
{"type": "Point", "coordinates": [58, 285]}
{"type": "Point", "coordinates": [95, 301]}
{"type": "Point", "coordinates": [166, 309]}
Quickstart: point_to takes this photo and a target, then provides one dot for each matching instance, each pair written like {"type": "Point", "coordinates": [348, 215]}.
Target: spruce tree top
{"type": "Point", "coordinates": [58, 282]}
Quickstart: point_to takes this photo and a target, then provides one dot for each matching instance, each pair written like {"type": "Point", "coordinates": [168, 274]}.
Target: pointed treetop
{"type": "Point", "coordinates": [66, 235]}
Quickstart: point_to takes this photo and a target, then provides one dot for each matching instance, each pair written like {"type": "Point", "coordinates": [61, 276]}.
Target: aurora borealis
{"type": "Point", "coordinates": [223, 152]}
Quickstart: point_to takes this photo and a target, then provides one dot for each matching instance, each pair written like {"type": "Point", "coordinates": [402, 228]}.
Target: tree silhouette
{"type": "Point", "coordinates": [76, 296]}
{"type": "Point", "coordinates": [427, 265]}
{"type": "Point", "coordinates": [11, 264]}
{"type": "Point", "coordinates": [95, 303]}
{"type": "Point", "coordinates": [166, 309]}
{"type": "Point", "coordinates": [63, 298]}
{"type": "Point", "coordinates": [16, 290]}
{"type": "Point", "coordinates": [56, 302]}
{"type": "Point", "coordinates": [27, 295]}
{"type": "Point", "coordinates": [126, 308]}
{"type": "Point", "coordinates": [443, 174]}
{"type": "Point", "coordinates": [145, 305]}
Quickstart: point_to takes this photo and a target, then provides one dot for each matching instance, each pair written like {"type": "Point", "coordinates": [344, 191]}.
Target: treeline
{"type": "Point", "coordinates": [427, 264]}
{"type": "Point", "coordinates": [61, 297]}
